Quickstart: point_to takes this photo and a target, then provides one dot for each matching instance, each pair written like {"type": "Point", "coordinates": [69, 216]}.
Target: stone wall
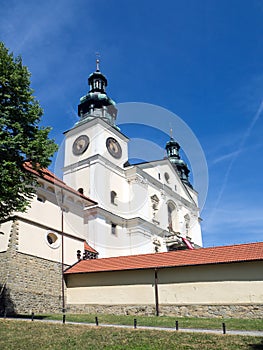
{"type": "Point", "coordinates": [33, 285]}
{"type": "Point", "coordinates": [28, 283]}
{"type": "Point", "coordinates": [211, 311]}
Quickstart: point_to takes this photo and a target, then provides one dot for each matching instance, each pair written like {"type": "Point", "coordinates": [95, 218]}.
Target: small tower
{"type": "Point", "coordinates": [172, 148]}
{"type": "Point", "coordinates": [97, 103]}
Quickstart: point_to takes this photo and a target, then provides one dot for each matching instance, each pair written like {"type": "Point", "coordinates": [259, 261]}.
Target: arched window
{"type": "Point", "coordinates": [113, 196]}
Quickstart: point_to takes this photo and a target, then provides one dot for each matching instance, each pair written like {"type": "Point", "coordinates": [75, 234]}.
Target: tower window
{"type": "Point", "coordinates": [113, 196]}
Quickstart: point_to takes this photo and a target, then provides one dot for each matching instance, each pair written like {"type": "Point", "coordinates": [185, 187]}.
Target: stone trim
{"type": "Point", "coordinates": [210, 311]}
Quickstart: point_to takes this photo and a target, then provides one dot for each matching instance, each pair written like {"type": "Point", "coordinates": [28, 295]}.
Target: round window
{"type": "Point", "coordinates": [53, 240]}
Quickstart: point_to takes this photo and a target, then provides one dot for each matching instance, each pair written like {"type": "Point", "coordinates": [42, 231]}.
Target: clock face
{"type": "Point", "coordinates": [113, 147]}
{"type": "Point", "coordinates": [80, 145]}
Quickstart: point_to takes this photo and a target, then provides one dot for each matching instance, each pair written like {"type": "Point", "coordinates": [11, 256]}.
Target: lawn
{"type": "Point", "coordinates": [165, 321]}
{"type": "Point", "coordinates": [39, 335]}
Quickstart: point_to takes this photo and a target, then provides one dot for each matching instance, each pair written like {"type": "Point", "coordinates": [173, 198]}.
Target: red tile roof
{"type": "Point", "coordinates": [203, 256]}
{"type": "Point", "coordinates": [52, 178]}
{"type": "Point", "coordinates": [89, 248]}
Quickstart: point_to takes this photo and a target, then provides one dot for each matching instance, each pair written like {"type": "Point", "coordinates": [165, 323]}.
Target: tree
{"type": "Point", "coordinates": [22, 139]}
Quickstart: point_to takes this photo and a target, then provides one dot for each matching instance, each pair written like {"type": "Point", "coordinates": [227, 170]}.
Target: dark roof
{"type": "Point", "coordinates": [203, 256]}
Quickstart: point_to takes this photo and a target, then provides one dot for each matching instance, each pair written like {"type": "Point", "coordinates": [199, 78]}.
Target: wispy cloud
{"type": "Point", "coordinates": [226, 156]}
{"type": "Point", "coordinates": [241, 145]}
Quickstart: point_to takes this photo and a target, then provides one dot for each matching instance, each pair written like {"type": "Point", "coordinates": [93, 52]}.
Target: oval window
{"type": "Point", "coordinates": [53, 240]}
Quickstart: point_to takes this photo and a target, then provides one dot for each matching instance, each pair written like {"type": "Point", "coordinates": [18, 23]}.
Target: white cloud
{"type": "Point", "coordinates": [230, 155]}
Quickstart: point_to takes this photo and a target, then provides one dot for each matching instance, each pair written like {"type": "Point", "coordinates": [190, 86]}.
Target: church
{"type": "Point", "coordinates": [107, 213]}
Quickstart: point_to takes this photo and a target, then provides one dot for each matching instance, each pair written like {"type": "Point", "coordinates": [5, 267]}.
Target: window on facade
{"type": "Point", "coordinates": [41, 198]}
{"type": "Point", "coordinates": [113, 229]}
{"type": "Point", "coordinates": [113, 196]}
{"type": "Point", "coordinates": [80, 190]}
{"type": "Point", "coordinates": [53, 240]}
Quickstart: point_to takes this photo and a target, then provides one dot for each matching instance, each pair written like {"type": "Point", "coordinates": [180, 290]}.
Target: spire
{"type": "Point", "coordinates": [97, 61]}
{"type": "Point", "coordinates": [97, 65]}
{"type": "Point", "coordinates": [97, 81]}
{"type": "Point", "coordinates": [172, 148]}
{"type": "Point", "coordinates": [97, 103]}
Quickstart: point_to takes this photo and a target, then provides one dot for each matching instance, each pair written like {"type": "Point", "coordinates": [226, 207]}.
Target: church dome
{"type": "Point", "coordinates": [96, 103]}
{"type": "Point", "coordinates": [172, 148]}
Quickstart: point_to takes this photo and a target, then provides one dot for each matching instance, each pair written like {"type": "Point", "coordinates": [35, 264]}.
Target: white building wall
{"type": "Point", "coordinates": [5, 229]}
{"type": "Point", "coordinates": [33, 241]}
{"type": "Point", "coordinates": [218, 284]}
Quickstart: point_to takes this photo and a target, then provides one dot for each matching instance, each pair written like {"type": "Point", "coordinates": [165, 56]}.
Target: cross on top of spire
{"type": "Point", "coordinates": [97, 62]}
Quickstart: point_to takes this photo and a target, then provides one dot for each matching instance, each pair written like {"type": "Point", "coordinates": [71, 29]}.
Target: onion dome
{"type": "Point", "coordinates": [97, 103]}
{"type": "Point", "coordinates": [172, 148]}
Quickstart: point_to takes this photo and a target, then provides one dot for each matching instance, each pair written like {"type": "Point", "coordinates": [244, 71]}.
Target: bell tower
{"type": "Point", "coordinates": [172, 148]}
{"type": "Point", "coordinates": [94, 141]}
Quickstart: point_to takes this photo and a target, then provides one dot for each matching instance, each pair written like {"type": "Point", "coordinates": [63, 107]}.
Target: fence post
{"type": "Point", "coordinates": [135, 323]}
{"type": "Point", "coordinates": [32, 316]}
{"type": "Point", "coordinates": [224, 327]}
{"type": "Point", "coordinates": [96, 321]}
{"type": "Point", "coordinates": [177, 325]}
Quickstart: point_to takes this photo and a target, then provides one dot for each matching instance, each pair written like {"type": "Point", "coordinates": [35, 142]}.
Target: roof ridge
{"type": "Point", "coordinates": [204, 256]}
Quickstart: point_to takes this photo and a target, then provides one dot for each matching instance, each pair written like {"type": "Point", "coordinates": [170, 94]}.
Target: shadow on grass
{"type": "Point", "coordinates": [28, 316]}
{"type": "Point", "coordinates": [256, 346]}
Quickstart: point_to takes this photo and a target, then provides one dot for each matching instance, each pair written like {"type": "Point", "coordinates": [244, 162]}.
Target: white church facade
{"type": "Point", "coordinates": [142, 208]}
{"type": "Point", "coordinates": [104, 208]}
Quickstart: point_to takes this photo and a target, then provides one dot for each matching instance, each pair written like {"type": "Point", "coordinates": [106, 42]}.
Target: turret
{"type": "Point", "coordinates": [172, 148]}
{"type": "Point", "coordinates": [97, 103]}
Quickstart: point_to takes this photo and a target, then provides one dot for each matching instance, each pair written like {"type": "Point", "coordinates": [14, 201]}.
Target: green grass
{"type": "Point", "coordinates": [27, 335]}
{"type": "Point", "coordinates": [166, 321]}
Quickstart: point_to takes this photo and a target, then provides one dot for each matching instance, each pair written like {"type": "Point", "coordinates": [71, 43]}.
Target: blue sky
{"type": "Point", "coordinates": [202, 60]}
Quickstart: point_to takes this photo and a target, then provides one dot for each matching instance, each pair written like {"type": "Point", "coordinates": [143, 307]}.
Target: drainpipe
{"type": "Point", "coordinates": [156, 292]}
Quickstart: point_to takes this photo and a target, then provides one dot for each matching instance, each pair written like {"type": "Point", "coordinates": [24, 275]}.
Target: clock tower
{"type": "Point", "coordinates": [142, 208]}
{"type": "Point", "coordinates": [94, 142]}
